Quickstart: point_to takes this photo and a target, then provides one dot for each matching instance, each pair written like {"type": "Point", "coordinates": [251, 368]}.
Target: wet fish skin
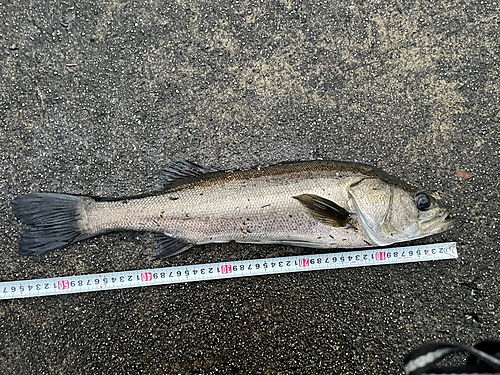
{"type": "Point", "coordinates": [319, 204]}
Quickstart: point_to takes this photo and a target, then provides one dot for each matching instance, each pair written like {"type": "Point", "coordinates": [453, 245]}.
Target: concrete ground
{"type": "Point", "coordinates": [97, 97]}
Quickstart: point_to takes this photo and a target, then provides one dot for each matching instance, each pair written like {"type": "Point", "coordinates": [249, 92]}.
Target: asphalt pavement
{"type": "Point", "coordinates": [97, 97]}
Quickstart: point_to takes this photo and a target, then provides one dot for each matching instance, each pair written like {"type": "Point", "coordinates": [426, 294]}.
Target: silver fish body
{"type": "Point", "coordinates": [319, 204]}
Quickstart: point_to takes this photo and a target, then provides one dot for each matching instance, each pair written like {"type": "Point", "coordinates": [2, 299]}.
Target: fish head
{"type": "Point", "coordinates": [395, 212]}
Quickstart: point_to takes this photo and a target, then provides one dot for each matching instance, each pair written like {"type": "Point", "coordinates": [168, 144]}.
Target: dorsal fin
{"type": "Point", "coordinates": [324, 210]}
{"type": "Point", "coordinates": [179, 172]}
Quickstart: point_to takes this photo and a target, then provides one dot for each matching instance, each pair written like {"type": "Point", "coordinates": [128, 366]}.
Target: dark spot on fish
{"type": "Point", "coordinates": [319, 238]}
{"type": "Point", "coordinates": [344, 239]}
{"type": "Point", "coordinates": [331, 236]}
{"type": "Point", "coordinates": [201, 193]}
{"type": "Point", "coordinates": [248, 219]}
{"type": "Point", "coordinates": [366, 242]}
{"type": "Point", "coordinates": [211, 238]}
{"type": "Point", "coordinates": [289, 215]}
{"type": "Point", "coordinates": [154, 221]}
{"type": "Point", "coordinates": [161, 214]}
{"type": "Point", "coordinates": [356, 229]}
{"type": "Point", "coordinates": [173, 198]}
{"type": "Point", "coordinates": [249, 231]}
{"type": "Point", "coordinates": [125, 201]}
{"type": "Point", "coordinates": [142, 224]}
{"type": "Point", "coordinates": [267, 205]}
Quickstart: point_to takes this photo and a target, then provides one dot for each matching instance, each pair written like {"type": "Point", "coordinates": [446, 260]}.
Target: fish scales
{"type": "Point", "coordinates": [236, 207]}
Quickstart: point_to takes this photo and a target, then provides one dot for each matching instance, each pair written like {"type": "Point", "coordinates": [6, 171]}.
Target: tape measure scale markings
{"type": "Point", "coordinates": [214, 271]}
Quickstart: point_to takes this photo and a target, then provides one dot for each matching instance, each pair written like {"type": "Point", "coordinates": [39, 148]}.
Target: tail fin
{"type": "Point", "coordinates": [54, 221]}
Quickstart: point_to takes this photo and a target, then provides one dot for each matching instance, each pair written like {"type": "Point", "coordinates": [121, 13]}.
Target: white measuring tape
{"type": "Point", "coordinates": [224, 270]}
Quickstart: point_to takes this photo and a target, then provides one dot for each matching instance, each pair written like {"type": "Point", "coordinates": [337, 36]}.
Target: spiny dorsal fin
{"type": "Point", "coordinates": [179, 172]}
{"type": "Point", "coordinates": [167, 246]}
{"type": "Point", "coordinates": [324, 210]}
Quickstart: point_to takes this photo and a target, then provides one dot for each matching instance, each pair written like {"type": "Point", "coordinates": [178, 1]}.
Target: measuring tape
{"type": "Point", "coordinates": [224, 270]}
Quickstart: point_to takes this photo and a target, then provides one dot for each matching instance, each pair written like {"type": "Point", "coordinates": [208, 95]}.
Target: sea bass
{"type": "Point", "coordinates": [318, 204]}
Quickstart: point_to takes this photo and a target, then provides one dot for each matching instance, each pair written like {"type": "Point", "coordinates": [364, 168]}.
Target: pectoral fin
{"type": "Point", "coordinates": [324, 210]}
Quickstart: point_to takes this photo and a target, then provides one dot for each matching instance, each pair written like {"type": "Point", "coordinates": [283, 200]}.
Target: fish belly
{"type": "Point", "coordinates": [260, 210]}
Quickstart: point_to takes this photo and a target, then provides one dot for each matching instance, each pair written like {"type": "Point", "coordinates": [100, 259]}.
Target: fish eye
{"type": "Point", "coordinates": [423, 201]}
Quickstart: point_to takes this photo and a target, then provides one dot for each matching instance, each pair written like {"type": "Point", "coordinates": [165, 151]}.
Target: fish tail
{"type": "Point", "coordinates": [54, 221]}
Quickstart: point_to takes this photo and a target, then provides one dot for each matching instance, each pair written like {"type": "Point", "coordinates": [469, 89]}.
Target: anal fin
{"type": "Point", "coordinates": [167, 246]}
{"type": "Point", "coordinates": [324, 210]}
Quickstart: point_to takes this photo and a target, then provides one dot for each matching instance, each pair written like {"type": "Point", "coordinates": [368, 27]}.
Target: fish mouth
{"type": "Point", "coordinates": [439, 224]}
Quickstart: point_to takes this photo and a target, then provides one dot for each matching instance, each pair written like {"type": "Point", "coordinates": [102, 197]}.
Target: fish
{"type": "Point", "coordinates": [321, 204]}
